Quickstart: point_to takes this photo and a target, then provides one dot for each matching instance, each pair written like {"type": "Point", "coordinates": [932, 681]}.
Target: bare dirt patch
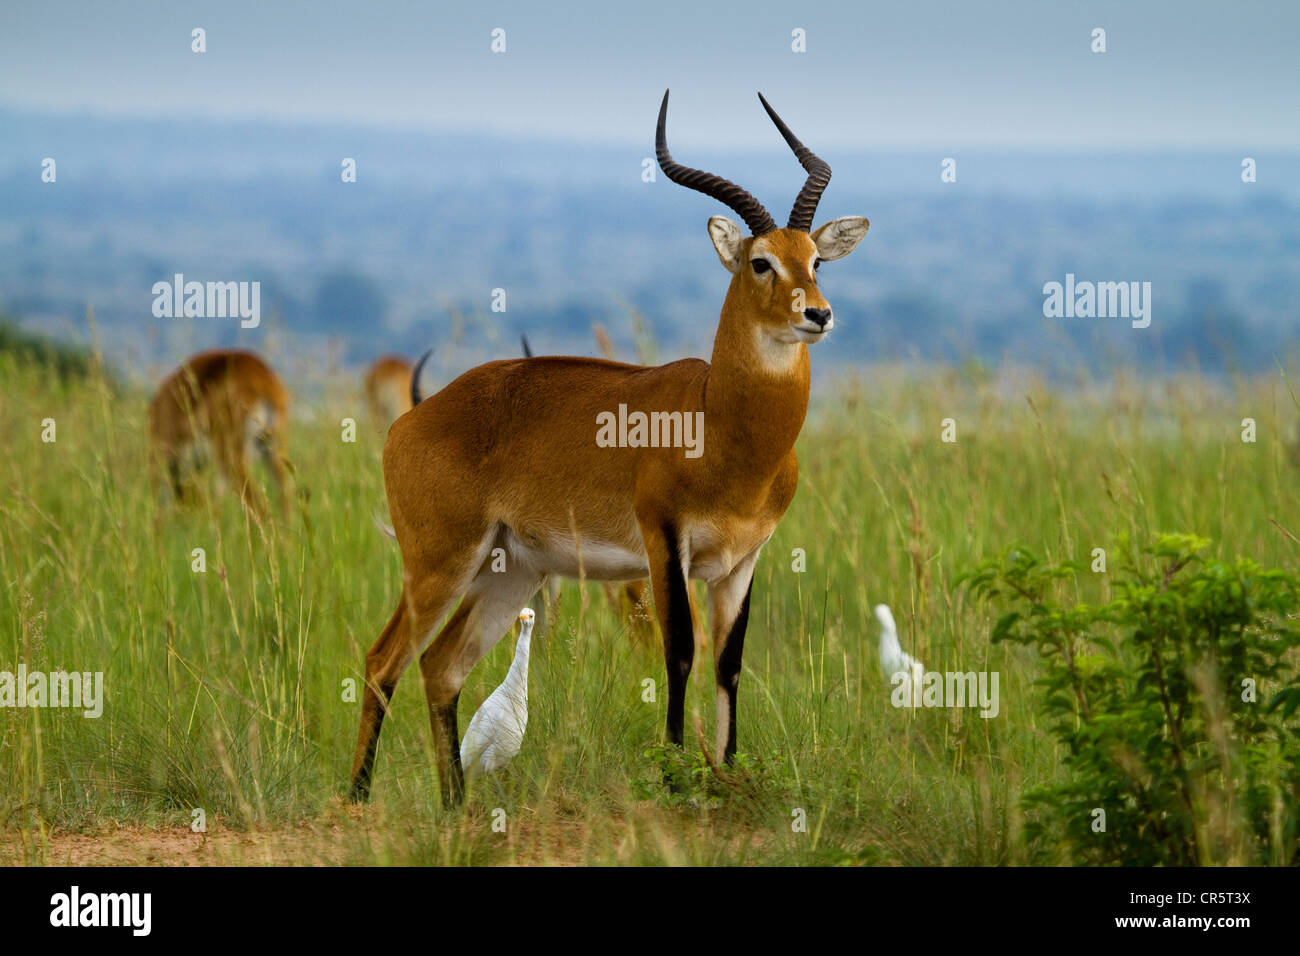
{"type": "Point", "coordinates": [308, 845]}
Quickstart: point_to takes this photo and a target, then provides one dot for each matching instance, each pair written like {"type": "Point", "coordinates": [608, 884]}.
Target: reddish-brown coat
{"type": "Point", "coordinates": [225, 397]}
{"type": "Point", "coordinates": [388, 389]}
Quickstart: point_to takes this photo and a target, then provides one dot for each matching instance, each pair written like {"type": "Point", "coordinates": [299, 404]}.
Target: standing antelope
{"type": "Point", "coordinates": [506, 456]}
{"type": "Point", "coordinates": [226, 403]}
{"type": "Point", "coordinates": [388, 389]}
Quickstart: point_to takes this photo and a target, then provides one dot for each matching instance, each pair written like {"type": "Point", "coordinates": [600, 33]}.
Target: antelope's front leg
{"type": "Point", "coordinates": [673, 606]}
{"type": "Point", "coordinates": [729, 616]}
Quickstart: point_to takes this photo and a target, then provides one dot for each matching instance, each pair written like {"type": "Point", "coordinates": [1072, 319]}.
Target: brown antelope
{"type": "Point", "coordinates": [226, 403]}
{"type": "Point", "coordinates": [513, 459]}
{"type": "Point", "coordinates": [388, 389]}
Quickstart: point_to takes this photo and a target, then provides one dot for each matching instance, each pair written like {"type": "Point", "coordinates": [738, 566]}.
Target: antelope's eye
{"type": "Point", "coordinates": [760, 265]}
{"type": "Point", "coordinates": [817, 264]}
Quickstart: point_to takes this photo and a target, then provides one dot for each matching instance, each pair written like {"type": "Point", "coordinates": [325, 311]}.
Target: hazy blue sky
{"type": "Point", "coordinates": [1184, 73]}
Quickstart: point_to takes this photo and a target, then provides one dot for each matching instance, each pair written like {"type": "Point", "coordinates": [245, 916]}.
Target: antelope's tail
{"type": "Point", "coordinates": [385, 528]}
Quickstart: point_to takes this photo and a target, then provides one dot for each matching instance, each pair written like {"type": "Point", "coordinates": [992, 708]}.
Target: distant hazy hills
{"type": "Point", "coordinates": [409, 254]}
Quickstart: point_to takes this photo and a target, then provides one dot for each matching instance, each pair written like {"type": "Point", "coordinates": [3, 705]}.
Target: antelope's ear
{"type": "Point", "coordinates": [837, 238]}
{"type": "Point", "coordinates": [728, 240]}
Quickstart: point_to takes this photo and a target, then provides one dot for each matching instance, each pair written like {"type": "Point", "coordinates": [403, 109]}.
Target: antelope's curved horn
{"type": "Point", "coordinates": [723, 190]}
{"type": "Point", "coordinates": [819, 174]}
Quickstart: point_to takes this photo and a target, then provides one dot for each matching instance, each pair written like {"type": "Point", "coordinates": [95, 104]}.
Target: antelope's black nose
{"type": "Point", "coordinates": [818, 316]}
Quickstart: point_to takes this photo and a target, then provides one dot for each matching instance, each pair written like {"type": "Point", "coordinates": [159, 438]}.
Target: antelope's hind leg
{"type": "Point", "coordinates": [490, 606]}
{"type": "Point", "coordinates": [383, 668]}
{"type": "Point", "coordinates": [421, 608]}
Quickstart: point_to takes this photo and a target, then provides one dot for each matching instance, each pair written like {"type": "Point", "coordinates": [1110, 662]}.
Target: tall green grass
{"type": "Point", "coordinates": [225, 689]}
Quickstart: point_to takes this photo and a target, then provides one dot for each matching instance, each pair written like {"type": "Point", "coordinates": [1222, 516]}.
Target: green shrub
{"type": "Point", "coordinates": [20, 347]}
{"type": "Point", "coordinates": [1175, 700]}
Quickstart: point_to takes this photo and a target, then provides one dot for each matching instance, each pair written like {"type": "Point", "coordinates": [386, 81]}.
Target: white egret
{"type": "Point", "coordinates": [894, 660]}
{"type": "Point", "coordinates": [496, 732]}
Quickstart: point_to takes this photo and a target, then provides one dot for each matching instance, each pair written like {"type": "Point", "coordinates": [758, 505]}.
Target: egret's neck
{"type": "Point", "coordinates": [517, 676]}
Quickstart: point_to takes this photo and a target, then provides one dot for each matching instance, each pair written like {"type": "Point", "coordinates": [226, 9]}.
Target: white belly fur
{"type": "Point", "coordinates": [565, 556]}
{"type": "Point", "coordinates": [706, 556]}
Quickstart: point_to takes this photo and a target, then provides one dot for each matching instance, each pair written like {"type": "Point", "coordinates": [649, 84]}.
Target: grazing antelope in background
{"type": "Point", "coordinates": [388, 389]}
{"type": "Point", "coordinates": [227, 404]}
{"type": "Point", "coordinates": [507, 457]}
